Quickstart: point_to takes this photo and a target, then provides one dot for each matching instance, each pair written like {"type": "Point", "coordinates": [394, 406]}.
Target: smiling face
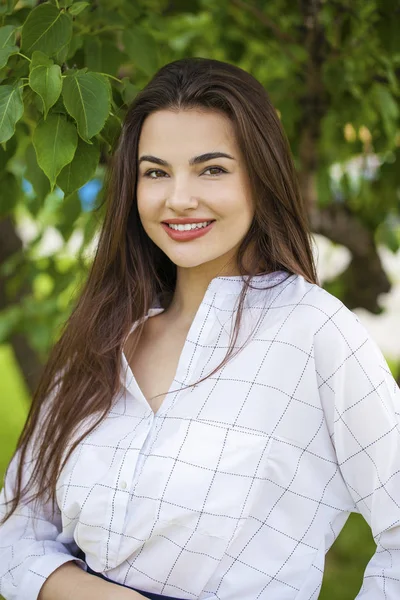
{"type": "Point", "coordinates": [176, 179]}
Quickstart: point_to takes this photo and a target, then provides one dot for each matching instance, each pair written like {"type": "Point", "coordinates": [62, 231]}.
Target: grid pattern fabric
{"type": "Point", "coordinates": [234, 489]}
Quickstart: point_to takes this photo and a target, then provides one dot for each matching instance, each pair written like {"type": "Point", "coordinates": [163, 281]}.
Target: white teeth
{"type": "Point", "coordinates": [188, 226]}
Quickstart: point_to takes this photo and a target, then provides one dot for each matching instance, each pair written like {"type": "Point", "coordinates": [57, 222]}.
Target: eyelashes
{"type": "Point", "coordinates": [150, 171]}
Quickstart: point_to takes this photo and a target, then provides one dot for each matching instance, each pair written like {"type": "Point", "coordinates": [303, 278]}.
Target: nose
{"type": "Point", "coordinates": [180, 195]}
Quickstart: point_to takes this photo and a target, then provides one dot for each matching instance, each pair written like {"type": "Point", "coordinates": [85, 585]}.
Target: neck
{"type": "Point", "coordinates": [191, 286]}
{"type": "Point", "coordinates": [189, 293]}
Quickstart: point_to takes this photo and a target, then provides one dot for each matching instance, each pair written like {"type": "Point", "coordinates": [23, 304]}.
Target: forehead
{"type": "Point", "coordinates": [188, 132]}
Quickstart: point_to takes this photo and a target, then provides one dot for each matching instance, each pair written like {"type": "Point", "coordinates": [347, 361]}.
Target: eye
{"type": "Point", "coordinates": [149, 173]}
{"type": "Point", "coordinates": [215, 169]}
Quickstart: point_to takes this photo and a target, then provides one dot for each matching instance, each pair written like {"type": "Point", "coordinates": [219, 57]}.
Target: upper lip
{"type": "Point", "coordinates": [186, 220]}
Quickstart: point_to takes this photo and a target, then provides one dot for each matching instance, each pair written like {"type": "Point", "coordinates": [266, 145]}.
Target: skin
{"type": "Point", "coordinates": [70, 581]}
{"type": "Point", "coordinates": [215, 189]}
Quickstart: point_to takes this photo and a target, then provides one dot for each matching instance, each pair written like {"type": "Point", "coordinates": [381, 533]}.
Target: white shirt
{"type": "Point", "coordinates": [236, 488]}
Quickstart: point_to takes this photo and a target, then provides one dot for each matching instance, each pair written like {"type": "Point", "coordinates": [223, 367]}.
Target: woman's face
{"type": "Point", "coordinates": [175, 181]}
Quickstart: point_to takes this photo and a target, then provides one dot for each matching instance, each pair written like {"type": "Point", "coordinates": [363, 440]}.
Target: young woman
{"type": "Point", "coordinates": [210, 416]}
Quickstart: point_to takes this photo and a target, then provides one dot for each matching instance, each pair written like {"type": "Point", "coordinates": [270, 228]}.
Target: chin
{"type": "Point", "coordinates": [190, 264]}
{"type": "Point", "coordinates": [187, 265]}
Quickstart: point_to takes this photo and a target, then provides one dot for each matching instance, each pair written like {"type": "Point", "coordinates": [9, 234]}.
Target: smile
{"type": "Point", "coordinates": [188, 231]}
{"type": "Point", "coordinates": [188, 226]}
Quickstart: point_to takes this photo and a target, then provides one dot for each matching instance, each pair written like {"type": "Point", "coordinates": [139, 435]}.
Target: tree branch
{"type": "Point", "coordinates": [364, 280]}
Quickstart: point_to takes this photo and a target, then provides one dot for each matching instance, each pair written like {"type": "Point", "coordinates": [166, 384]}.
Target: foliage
{"type": "Point", "coordinates": [68, 71]}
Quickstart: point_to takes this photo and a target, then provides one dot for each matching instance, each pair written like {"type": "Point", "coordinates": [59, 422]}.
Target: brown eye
{"type": "Point", "coordinates": [215, 169]}
{"type": "Point", "coordinates": [149, 173]}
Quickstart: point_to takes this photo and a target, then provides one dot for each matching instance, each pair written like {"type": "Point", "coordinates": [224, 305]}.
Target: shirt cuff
{"type": "Point", "coordinates": [40, 570]}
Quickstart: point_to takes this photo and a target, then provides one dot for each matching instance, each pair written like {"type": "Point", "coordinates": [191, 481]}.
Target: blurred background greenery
{"type": "Point", "coordinates": [332, 70]}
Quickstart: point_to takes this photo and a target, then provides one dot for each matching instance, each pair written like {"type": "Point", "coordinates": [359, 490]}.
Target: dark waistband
{"type": "Point", "coordinates": [150, 595]}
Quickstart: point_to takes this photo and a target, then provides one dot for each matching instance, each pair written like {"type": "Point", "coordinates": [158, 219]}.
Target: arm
{"type": "Point", "coordinates": [34, 565]}
{"type": "Point", "coordinates": [29, 546]}
{"type": "Point", "coordinates": [361, 402]}
{"type": "Point", "coordinates": [69, 581]}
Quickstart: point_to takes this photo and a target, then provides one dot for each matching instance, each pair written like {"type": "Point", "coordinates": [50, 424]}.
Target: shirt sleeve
{"type": "Point", "coordinates": [30, 549]}
{"type": "Point", "coordinates": [361, 401]}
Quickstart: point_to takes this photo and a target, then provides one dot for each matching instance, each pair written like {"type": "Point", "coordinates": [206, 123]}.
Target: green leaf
{"type": "Point", "coordinates": [385, 100]}
{"type": "Point", "coordinates": [55, 142]}
{"type": "Point", "coordinates": [81, 169]}
{"type": "Point", "coordinates": [70, 211]}
{"type": "Point", "coordinates": [7, 36]}
{"type": "Point", "coordinates": [62, 54]}
{"type": "Point", "coordinates": [92, 50]}
{"type": "Point", "coordinates": [46, 29]}
{"type": "Point", "coordinates": [388, 233]}
{"type": "Point", "coordinates": [77, 8]}
{"type": "Point", "coordinates": [103, 55]}
{"type": "Point", "coordinates": [7, 44]}
{"type": "Point", "coordinates": [128, 91]}
{"type": "Point", "coordinates": [7, 7]}
{"type": "Point", "coordinates": [111, 130]}
{"type": "Point", "coordinates": [38, 179]}
{"type": "Point", "coordinates": [5, 54]}
{"type": "Point", "coordinates": [11, 109]}
{"type": "Point", "coordinates": [59, 107]}
{"type": "Point", "coordinates": [9, 192]}
{"type": "Point", "coordinates": [111, 57]}
{"type": "Point", "coordinates": [15, 70]}
{"type": "Point", "coordinates": [387, 107]}
{"type": "Point", "coordinates": [7, 150]}
{"type": "Point", "coordinates": [87, 98]}
{"type": "Point", "coordinates": [392, 241]}
{"type": "Point", "coordinates": [45, 79]}
{"type": "Point", "coordinates": [141, 49]}
{"type": "Point", "coordinates": [74, 46]}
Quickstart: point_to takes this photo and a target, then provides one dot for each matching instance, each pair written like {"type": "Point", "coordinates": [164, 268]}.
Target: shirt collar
{"type": "Point", "coordinates": [218, 286]}
{"type": "Point", "coordinates": [233, 284]}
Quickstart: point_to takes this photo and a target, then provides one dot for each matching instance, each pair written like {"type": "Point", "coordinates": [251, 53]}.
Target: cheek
{"type": "Point", "coordinates": [237, 208]}
{"type": "Point", "coordinates": [237, 196]}
{"type": "Point", "coordinates": [149, 201]}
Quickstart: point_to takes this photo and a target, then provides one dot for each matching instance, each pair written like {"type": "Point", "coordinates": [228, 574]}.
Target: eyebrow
{"type": "Point", "coordinates": [193, 161]}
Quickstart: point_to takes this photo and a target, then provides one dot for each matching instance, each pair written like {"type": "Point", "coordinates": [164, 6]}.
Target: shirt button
{"type": "Point", "coordinates": [123, 485]}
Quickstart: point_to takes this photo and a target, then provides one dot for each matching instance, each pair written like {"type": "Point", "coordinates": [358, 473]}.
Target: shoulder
{"type": "Point", "coordinates": [342, 346]}
{"type": "Point", "coordinates": [332, 330]}
{"type": "Point", "coordinates": [311, 296]}
{"type": "Point", "coordinates": [309, 307]}
{"type": "Point", "coordinates": [327, 315]}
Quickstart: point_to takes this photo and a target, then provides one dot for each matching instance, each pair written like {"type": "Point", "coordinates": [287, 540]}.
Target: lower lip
{"type": "Point", "coordinates": [191, 234]}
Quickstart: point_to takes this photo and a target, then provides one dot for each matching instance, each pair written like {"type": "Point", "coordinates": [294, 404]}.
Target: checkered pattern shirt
{"type": "Point", "coordinates": [236, 488]}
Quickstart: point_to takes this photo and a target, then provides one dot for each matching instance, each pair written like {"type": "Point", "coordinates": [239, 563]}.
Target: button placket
{"type": "Point", "coordinates": [125, 480]}
{"type": "Point", "coordinates": [127, 476]}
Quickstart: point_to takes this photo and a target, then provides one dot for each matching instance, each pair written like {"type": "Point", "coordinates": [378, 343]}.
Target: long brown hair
{"type": "Point", "coordinates": [129, 271]}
